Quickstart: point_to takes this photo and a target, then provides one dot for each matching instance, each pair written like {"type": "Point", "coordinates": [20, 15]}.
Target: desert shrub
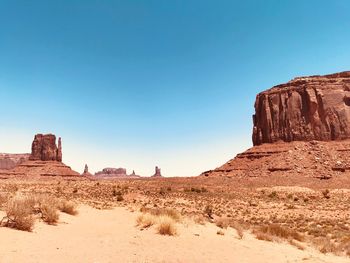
{"type": "Point", "coordinates": [281, 232]}
{"type": "Point", "coordinates": [67, 207]}
{"type": "Point", "coordinates": [75, 190]}
{"type": "Point", "coordinates": [117, 194]}
{"type": "Point", "coordinates": [19, 214]}
{"type": "Point", "coordinates": [49, 213]}
{"type": "Point", "coordinates": [204, 190]}
{"type": "Point", "coordinates": [120, 198]}
{"type": "Point", "coordinates": [168, 189]}
{"type": "Point", "coordinates": [166, 226]}
{"type": "Point", "coordinates": [262, 236]}
{"type": "Point", "coordinates": [196, 190]}
{"type": "Point", "coordinates": [296, 244]}
{"type": "Point", "coordinates": [220, 232]}
{"type": "Point", "coordinates": [222, 222]}
{"type": "Point", "coordinates": [326, 194]}
{"type": "Point", "coordinates": [273, 194]}
{"type": "Point", "coordinates": [200, 219]}
{"type": "Point", "coordinates": [238, 228]}
{"type": "Point", "coordinates": [172, 213]}
{"type": "Point", "coordinates": [162, 191]}
{"type": "Point", "coordinates": [208, 210]}
{"type": "Point", "coordinates": [145, 220]}
{"type": "Point", "coordinates": [3, 199]}
{"type": "Point", "coordinates": [47, 206]}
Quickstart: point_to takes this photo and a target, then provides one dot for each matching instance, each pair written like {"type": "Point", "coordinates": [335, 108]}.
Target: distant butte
{"type": "Point", "coordinates": [44, 160]}
{"type": "Point", "coordinates": [157, 173]}
{"type": "Point", "coordinates": [299, 128]}
{"type": "Point", "coordinates": [304, 109]}
{"type": "Point", "coordinates": [114, 173]}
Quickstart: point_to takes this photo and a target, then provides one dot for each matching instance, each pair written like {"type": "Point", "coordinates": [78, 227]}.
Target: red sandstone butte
{"type": "Point", "coordinates": [44, 148]}
{"type": "Point", "coordinates": [304, 109]}
{"type": "Point", "coordinates": [301, 129]}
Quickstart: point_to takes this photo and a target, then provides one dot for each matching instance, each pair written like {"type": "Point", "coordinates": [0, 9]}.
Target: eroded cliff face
{"type": "Point", "coordinates": [304, 109]}
{"type": "Point", "coordinates": [44, 148]}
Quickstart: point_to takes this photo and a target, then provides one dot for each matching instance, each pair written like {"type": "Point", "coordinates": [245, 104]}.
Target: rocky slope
{"type": "Point", "coordinates": [300, 128]}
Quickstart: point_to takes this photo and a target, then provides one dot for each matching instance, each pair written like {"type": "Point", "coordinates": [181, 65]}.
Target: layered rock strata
{"type": "Point", "coordinates": [301, 128]}
{"type": "Point", "coordinates": [44, 148]}
{"type": "Point", "coordinates": [304, 109]}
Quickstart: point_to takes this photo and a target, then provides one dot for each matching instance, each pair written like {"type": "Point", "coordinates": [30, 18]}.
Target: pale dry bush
{"type": "Point", "coordinates": [274, 230]}
{"type": "Point", "coordinates": [200, 219]}
{"type": "Point", "coordinates": [67, 207]}
{"type": "Point", "coordinates": [19, 213]}
{"type": "Point", "coordinates": [239, 229]}
{"type": "Point", "coordinates": [222, 222]}
{"type": "Point", "coordinates": [325, 245]}
{"type": "Point", "coordinates": [174, 214]}
{"type": "Point", "coordinates": [145, 220]}
{"type": "Point", "coordinates": [3, 199]}
{"type": "Point", "coordinates": [166, 226]}
{"type": "Point", "coordinates": [48, 209]}
{"type": "Point", "coordinates": [296, 244]}
{"type": "Point", "coordinates": [220, 232]}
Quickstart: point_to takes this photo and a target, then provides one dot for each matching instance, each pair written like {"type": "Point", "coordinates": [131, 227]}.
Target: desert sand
{"type": "Point", "coordinates": [111, 236]}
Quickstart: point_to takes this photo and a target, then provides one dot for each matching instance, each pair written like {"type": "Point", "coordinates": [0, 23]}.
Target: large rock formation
{"type": "Point", "coordinates": [301, 129]}
{"type": "Point", "coordinates": [45, 160]}
{"type": "Point", "coordinates": [44, 148]}
{"type": "Point", "coordinates": [304, 109]}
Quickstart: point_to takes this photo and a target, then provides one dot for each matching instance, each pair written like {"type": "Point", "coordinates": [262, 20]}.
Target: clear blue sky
{"type": "Point", "coordinates": [142, 83]}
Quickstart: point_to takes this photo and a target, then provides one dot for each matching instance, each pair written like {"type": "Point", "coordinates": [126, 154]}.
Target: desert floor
{"type": "Point", "coordinates": [298, 221]}
{"type": "Point", "coordinates": [111, 236]}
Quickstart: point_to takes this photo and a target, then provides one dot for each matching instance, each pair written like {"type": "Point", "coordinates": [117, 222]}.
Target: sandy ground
{"type": "Point", "coordinates": [111, 236]}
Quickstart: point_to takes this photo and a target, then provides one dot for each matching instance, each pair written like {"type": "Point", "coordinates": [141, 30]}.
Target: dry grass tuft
{"type": "Point", "coordinates": [145, 220]}
{"type": "Point", "coordinates": [222, 222]}
{"type": "Point", "coordinates": [166, 226]}
{"type": "Point", "coordinates": [67, 207]}
{"type": "Point", "coordinates": [200, 219]}
{"type": "Point", "coordinates": [297, 244]}
{"type": "Point", "coordinates": [220, 232]}
{"type": "Point", "coordinates": [48, 209]}
{"type": "Point", "coordinates": [172, 213]}
{"type": "Point", "coordinates": [19, 214]}
{"type": "Point", "coordinates": [239, 229]}
{"type": "Point", "coordinates": [275, 230]}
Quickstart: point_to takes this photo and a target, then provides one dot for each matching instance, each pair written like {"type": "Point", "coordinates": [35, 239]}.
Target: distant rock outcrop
{"type": "Point", "coordinates": [45, 160]}
{"type": "Point", "coordinates": [157, 172]}
{"type": "Point", "coordinates": [44, 148]}
{"type": "Point", "coordinates": [304, 109]}
{"type": "Point", "coordinates": [111, 173]}
{"type": "Point", "coordinates": [10, 161]}
{"type": "Point", "coordinates": [86, 171]}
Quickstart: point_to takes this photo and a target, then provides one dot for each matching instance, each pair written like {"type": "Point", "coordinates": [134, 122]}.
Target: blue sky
{"type": "Point", "coordinates": [136, 84]}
